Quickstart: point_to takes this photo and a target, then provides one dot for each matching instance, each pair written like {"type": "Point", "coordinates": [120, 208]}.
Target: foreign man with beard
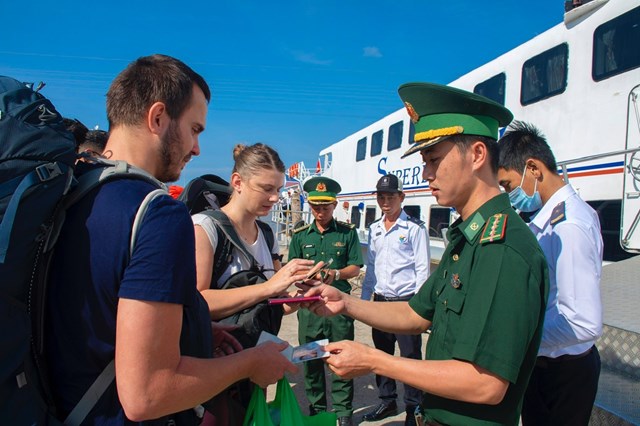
{"type": "Point", "coordinates": [142, 308]}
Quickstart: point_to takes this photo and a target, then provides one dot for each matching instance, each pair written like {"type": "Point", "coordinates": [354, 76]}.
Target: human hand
{"type": "Point", "coordinates": [329, 276]}
{"type": "Point", "coordinates": [295, 270]}
{"type": "Point", "coordinates": [223, 342]}
{"type": "Point", "coordinates": [332, 302]}
{"type": "Point", "coordinates": [270, 365]}
{"type": "Point", "coordinates": [349, 359]}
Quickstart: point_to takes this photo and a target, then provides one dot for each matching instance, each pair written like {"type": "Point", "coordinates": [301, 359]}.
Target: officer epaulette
{"type": "Point", "coordinates": [495, 229]}
{"type": "Point", "coordinates": [302, 228]}
{"type": "Point", "coordinates": [558, 214]}
{"type": "Point", "coordinates": [415, 220]}
{"type": "Point", "coordinates": [347, 224]}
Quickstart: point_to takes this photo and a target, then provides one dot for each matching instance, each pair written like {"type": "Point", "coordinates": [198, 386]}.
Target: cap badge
{"type": "Point", "coordinates": [321, 187]}
{"type": "Point", "coordinates": [412, 113]}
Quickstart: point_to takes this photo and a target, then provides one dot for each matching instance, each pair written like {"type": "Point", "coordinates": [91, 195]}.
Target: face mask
{"type": "Point", "coordinates": [523, 202]}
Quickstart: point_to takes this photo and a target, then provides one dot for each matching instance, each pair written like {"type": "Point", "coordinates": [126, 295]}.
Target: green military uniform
{"type": "Point", "coordinates": [338, 242]}
{"type": "Point", "coordinates": [486, 300]}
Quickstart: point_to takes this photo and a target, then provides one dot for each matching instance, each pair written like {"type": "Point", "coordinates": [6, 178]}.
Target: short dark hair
{"type": "Point", "coordinates": [463, 142]}
{"type": "Point", "coordinates": [76, 127]}
{"type": "Point", "coordinates": [95, 141]}
{"type": "Point", "coordinates": [520, 142]}
{"type": "Point", "coordinates": [150, 79]}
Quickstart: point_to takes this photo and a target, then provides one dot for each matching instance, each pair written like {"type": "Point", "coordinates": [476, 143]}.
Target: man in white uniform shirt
{"type": "Point", "coordinates": [563, 386]}
{"type": "Point", "coordinates": [397, 265]}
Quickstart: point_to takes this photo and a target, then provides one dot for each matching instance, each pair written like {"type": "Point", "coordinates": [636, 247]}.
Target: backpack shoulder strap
{"type": "Point", "coordinates": [91, 396]}
{"type": "Point", "coordinates": [111, 170]}
{"type": "Point", "coordinates": [142, 211]}
{"type": "Point", "coordinates": [100, 385]}
{"type": "Point", "coordinates": [227, 239]}
{"type": "Point", "coordinates": [222, 257]}
{"type": "Point", "coordinates": [269, 237]}
{"type": "Point", "coordinates": [223, 224]}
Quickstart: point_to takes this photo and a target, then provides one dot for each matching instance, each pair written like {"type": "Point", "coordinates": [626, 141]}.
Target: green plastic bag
{"type": "Point", "coordinates": [283, 410]}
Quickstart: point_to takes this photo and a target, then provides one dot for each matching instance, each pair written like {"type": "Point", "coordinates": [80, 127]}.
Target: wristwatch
{"type": "Point", "coordinates": [336, 277]}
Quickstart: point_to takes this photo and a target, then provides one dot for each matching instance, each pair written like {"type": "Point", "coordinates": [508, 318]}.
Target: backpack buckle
{"type": "Point", "coordinates": [48, 171]}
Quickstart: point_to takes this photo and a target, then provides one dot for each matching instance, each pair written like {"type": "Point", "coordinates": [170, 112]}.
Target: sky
{"type": "Point", "coordinates": [296, 75]}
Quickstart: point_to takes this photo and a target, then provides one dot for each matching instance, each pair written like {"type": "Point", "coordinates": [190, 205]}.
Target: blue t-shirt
{"type": "Point", "coordinates": [91, 270]}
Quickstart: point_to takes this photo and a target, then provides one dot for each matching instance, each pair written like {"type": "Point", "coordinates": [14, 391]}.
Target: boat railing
{"type": "Point", "coordinates": [286, 221]}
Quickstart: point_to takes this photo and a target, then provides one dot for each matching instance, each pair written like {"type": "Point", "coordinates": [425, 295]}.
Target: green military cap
{"type": "Point", "coordinates": [439, 111]}
{"type": "Point", "coordinates": [321, 190]}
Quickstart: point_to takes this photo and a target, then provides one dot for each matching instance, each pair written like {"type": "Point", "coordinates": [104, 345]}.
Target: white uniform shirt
{"type": "Point", "coordinates": [573, 248]}
{"type": "Point", "coordinates": [397, 260]}
{"type": "Point", "coordinates": [258, 249]}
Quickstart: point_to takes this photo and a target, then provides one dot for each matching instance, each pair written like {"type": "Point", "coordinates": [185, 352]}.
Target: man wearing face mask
{"type": "Point", "coordinates": [564, 382]}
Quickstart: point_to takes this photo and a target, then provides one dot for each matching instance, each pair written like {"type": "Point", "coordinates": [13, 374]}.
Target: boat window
{"type": "Point", "coordinates": [395, 136]}
{"type": "Point", "coordinates": [376, 143]}
{"type": "Point", "coordinates": [609, 212]}
{"type": "Point", "coordinates": [615, 45]}
{"type": "Point", "coordinates": [413, 211]}
{"type": "Point", "coordinates": [438, 220]}
{"type": "Point", "coordinates": [544, 75]}
{"type": "Point", "coordinates": [369, 216]}
{"type": "Point", "coordinates": [492, 88]}
{"type": "Point", "coordinates": [412, 132]}
{"type": "Point", "coordinates": [361, 149]}
{"type": "Point", "coordinates": [355, 216]}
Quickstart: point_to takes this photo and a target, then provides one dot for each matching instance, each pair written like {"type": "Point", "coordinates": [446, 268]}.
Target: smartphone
{"type": "Point", "coordinates": [314, 270]}
{"type": "Point", "coordinates": [320, 267]}
{"type": "Point", "coordinates": [299, 299]}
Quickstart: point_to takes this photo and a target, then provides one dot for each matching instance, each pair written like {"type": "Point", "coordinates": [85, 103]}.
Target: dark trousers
{"type": "Point", "coordinates": [410, 347]}
{"type": "Point", "coordinates": [310, 328]}
{"type": "Point", "coordinates": [562, 391]}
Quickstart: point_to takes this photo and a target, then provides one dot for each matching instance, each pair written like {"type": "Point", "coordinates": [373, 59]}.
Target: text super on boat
{"type": "Point", "coordinates": [578, 82]}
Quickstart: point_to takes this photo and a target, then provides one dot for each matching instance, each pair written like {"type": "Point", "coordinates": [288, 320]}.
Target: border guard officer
{"type": "Point", "coordinates": [325, 239]}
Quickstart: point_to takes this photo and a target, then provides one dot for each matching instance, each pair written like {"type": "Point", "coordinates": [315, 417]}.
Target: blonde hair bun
{"type": "Point", "coordinates": [237, 150]}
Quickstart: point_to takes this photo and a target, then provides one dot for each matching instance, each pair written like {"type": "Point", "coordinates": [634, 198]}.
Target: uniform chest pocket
{"type": "Point", "coordinates": [404, 246]}
{"type": "Point", "coordinates": [309, 252]}
{"type": "Point", "coordinates": [338, 254]}
{"type": "Point", "coordinates": [452, 294]}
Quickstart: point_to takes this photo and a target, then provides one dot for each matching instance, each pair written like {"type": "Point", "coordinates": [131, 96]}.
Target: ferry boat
{"type": "Point", "coordinates": [579, 83]}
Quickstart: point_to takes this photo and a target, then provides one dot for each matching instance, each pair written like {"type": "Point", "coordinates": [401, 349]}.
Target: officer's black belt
{"type": "Point", "coordinates": [381, 298]}
{"type": "Point", "coordinates": [544, 361]}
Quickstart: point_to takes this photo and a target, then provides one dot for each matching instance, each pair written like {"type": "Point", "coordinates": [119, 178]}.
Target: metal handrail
{"type": "Point", "coordinates": [285, 220]}
{"type": "Point", "coordinates": [564, 164]}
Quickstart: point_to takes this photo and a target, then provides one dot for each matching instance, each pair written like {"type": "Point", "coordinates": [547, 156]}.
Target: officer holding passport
{"type": "Point", "coordinates": [485, 302]}
{"type": "Point", "coordinates": [327, 239]}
